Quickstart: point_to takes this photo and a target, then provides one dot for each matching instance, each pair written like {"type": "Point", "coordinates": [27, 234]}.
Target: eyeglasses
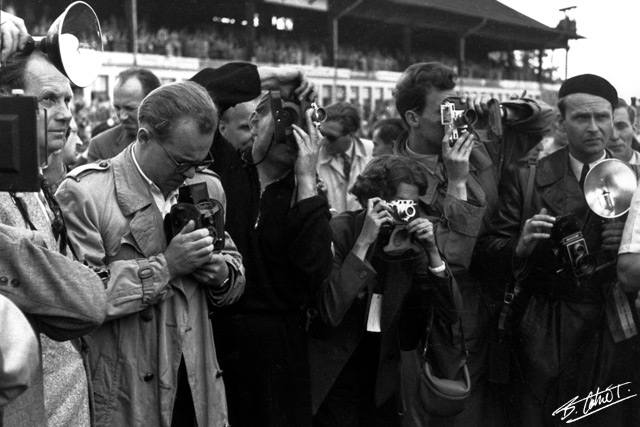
{"type": "Point", "coordinates": [182, 167]}
{"type": "Point", "coordinates": [333, 138]}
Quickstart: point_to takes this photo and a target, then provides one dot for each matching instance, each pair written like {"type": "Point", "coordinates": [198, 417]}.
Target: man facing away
{"type": "Point", "coordinates": [154, 361]}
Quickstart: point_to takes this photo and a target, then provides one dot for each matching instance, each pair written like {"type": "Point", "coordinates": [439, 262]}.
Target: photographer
{"type": "Point", "coordinates": [561, 337]}
{"type": "Point", "coordinates": [461, 197]}
{"type": "Point", "coordinates": [355, 360]}
{"type": "Point", "coordinates": [153, 361]}
{"type": "Point", "coordinates": [61, 394]}
{"type": "Point", "coordinates": [281, 227]}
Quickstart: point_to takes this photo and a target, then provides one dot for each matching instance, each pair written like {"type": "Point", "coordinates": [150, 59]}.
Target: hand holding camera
{"type": "Point", "coordinates": [612, 235]}
{"type": "Point", "coordinates": [456, 161]}
{"type": "Point", "coordinates": [13, 34]}
{"type": "Point", "coordinates": [189, 250]}
{"type": "Point", "coordinates": [378, 214]}
{"type": "Point", "coordinates": [213, 273]}
{"type": "Point", "coordinates": [307, 160]}
{"type": "Point", "coordinates": [536, 228]}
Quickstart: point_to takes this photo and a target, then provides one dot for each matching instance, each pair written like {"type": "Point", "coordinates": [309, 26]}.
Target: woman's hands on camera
{"type": "Point", "coordinates": [378, 214]}
{"type": "Point", "coordinates": [423, 231]}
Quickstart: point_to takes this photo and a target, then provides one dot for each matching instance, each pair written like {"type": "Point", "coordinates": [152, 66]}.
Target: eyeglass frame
{"type": "Point", "coordinates": [182, 167]}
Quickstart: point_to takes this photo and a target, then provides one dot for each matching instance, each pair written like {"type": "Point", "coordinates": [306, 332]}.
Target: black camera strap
{"type": "Point", "coordinates": [512, 289]}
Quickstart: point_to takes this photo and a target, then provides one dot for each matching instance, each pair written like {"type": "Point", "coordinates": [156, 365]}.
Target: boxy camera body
{"type": "Point", "coordinates": [194, 204]}
{"type": "Point", "coordinates": [455, 116]}
{"type": "Point", "coordinates": [287, 113]}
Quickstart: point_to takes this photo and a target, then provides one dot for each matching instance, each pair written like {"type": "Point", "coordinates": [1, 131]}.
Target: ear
{"type": "Point", "coordinates": [143, 136]}
{"type": "Point", "coordinates": [560, 121]}
{"type": "Point", "coordinates": [412, 118]}
{"type": "Point", "coordinates": [254, 120]}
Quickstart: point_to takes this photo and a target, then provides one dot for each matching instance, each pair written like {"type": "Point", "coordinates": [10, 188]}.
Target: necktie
{"type": "Point", "coordinates": [346, 166]}
{"type": "Point", "coordinates": [583, 175]}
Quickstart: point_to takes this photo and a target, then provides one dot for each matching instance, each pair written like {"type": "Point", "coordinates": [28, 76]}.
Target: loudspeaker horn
{"type": "Point", "coordinates": [73, 44]}
{"type": "Point", "coordinates": [609, 187]}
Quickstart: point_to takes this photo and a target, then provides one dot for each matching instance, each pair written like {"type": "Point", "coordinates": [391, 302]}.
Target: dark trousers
{"type": "Point", "coordinates": [351, 400]}
{"type": "Point", "coordinates": [266, 369]}
{"type": "Point", "coordinates": [184, 413]}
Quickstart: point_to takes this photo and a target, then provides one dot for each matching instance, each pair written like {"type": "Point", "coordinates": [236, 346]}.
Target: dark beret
{"type": "Point", "coordinates": [592, 85]}
{"type": "Point", "coordinates": [204, 76]}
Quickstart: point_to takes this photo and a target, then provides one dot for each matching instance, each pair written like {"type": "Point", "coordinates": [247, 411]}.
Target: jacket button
{"type": "Point", "coordinates": [15, 283]}
{"type": "Point", "coordinates": [147, 315]}
{"type": "Point", "coordinates": [103, 164]}
{"type": "Point", "coordinates": [148, 377]}
{"type": "Point", "coordinates": [4, 281]}
{"type": "Point", "coordinates": [219, 373]}
{"type": "Point", "coordinates": [363, 274]}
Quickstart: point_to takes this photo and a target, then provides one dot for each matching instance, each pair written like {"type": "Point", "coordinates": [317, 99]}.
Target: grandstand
{"type": "Point", "coordinates": [496, 50]}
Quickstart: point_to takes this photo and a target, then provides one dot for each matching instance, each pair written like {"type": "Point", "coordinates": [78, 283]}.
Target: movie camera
{"type": "Point", "coordinates": [195, 204]}
{"type": "Point", "coordinates": [286, 113]}
{"type": "Point", "coordinates": [455, 116]}
{"type": "Point", "coordinates": [74, 45]}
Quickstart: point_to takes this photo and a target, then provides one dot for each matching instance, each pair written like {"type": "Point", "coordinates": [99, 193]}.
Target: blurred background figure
{"type": "Point", "coordinates": [624, 144]}
{"type": "Point", "coordinates": [132, 87]}
{"type": "Point", "coordinates": [343, 156]}
{"type": "Point", "coordinates": [385, 132]}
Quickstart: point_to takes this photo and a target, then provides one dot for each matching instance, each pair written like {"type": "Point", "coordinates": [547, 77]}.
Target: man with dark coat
{"type": "Point", "coordinates": [562, 335]}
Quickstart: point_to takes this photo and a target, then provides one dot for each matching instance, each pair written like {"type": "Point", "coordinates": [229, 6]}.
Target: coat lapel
{"type": "Point", "coordinates": [135, 199]}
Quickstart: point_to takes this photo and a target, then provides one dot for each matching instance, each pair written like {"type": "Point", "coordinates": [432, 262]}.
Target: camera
{"type": "Point", "coordinates": [287, 113]}
{"type": "Point", "coordinates": [19, 165]}
{"type": "Point", "coordinates": [195, 204]}
{"type": "Point", "coordinates": [571, 248]}
{"type": "Point", "coordinates": [455, 116]}
{"type": "Point", "coordinates": [394, 241]}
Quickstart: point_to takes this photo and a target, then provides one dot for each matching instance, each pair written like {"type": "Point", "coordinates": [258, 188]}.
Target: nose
{"type": "Point", "coordinates": [593, 125]}
{"type": "Point", "coordinates": [61, 113]}
{"type": "Point", "coordinates": [123, 115]}
{"type": "Point", "coordinates": [190, 173]}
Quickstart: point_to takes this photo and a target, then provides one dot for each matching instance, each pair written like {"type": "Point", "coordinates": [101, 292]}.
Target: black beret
{"type": "Point", "coordinates": [592, 85]}
{"type": "Point", "coordinates": [204, 76]}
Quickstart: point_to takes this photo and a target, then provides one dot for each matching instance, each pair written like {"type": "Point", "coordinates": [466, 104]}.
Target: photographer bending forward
{"type": "Point", "coordinates": [372, 290]}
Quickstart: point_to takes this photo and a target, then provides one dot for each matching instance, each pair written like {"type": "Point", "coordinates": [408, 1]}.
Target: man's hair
{"type": "Point", "coordinates": [346, 114]}
{"type": "Point", "coordinates": [417, 82]}
{"type": "Point", "coordinates": [390, 129]}
{"type": "Point", "coordinates": [383, 174]}
{"type": "Point", "coordinates": [147, 79]}
{"type": "Point", "coordinates": [630, 110]}
{"type": "Point", "coordinates": [167, 106]}
{"type": "Point", "coordinates": [12, 71]}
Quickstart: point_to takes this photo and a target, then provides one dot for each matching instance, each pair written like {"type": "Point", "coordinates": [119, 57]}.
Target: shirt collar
{"type": "Point", "coordinates": [576, 165]}
{"type": "Point", "coordinates": [155, 190]}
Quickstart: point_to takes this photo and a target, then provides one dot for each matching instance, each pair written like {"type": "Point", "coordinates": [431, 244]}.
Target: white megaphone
{"type": "Point", "coordinates": [73, 44]}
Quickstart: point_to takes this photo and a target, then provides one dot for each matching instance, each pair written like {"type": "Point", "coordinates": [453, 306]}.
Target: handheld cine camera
{"type": "Point", "coordinates": [487, 128]}
{"type": "Point", "coordinates": [194, 204]}
{"type": "Point", "coordinates": [394, 240]}
{"type": "Point", "coordinates": [286, 113]}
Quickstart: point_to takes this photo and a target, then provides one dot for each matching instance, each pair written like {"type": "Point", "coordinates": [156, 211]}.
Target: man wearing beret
{"type": "Point", "coordinates": [561, 331]}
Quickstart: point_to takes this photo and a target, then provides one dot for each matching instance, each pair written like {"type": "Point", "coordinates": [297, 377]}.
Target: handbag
{"type": "Point", "coordinates": [440, 394]}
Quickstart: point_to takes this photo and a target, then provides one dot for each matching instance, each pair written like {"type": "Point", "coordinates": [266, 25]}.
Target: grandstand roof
{"type": "Point", "coordinates": [504, 27]}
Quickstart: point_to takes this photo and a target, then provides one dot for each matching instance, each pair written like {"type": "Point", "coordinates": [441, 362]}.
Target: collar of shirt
{"type": "Point", "coordinates": [163, 204]}
{"type": "Point", "coordinates": [430, 161]}
{"type": "Point", "coordinates": [576, 165]}
{"type": "Point", "coordinates": [355, 150]}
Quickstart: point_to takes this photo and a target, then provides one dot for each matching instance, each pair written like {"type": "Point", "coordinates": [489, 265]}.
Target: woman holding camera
{"type": "Point", "coordinates": [387, 277]}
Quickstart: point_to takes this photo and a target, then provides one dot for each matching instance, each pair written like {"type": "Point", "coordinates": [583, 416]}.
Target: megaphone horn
{"type": "Point", "coordinates": [73, 44]}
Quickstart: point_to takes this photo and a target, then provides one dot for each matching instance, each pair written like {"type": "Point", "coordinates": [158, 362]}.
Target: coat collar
{"type": "Point", "coordinates": [135, 199]}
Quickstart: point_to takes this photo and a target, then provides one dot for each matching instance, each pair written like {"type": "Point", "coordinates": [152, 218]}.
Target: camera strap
{"type": "Point", "coordinates": [512, 290]}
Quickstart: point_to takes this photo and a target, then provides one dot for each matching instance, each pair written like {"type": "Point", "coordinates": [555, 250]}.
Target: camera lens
{"type": "Point", "coordinates": [288, 116]}
{"type": "Point", "coordinates": [319, 115]}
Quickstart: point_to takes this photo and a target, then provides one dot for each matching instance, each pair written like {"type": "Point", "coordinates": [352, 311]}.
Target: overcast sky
{"type": "Point", "coordinates": [612, 32]}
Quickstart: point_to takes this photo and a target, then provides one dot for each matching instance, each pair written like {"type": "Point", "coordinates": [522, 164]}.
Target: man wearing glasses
{"type": "Point", "coordinates": [132, 86]}
{"type": "Point", "coordinates": [342, 156]}
{"type": "Point", "coordinates": [154, 362]}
